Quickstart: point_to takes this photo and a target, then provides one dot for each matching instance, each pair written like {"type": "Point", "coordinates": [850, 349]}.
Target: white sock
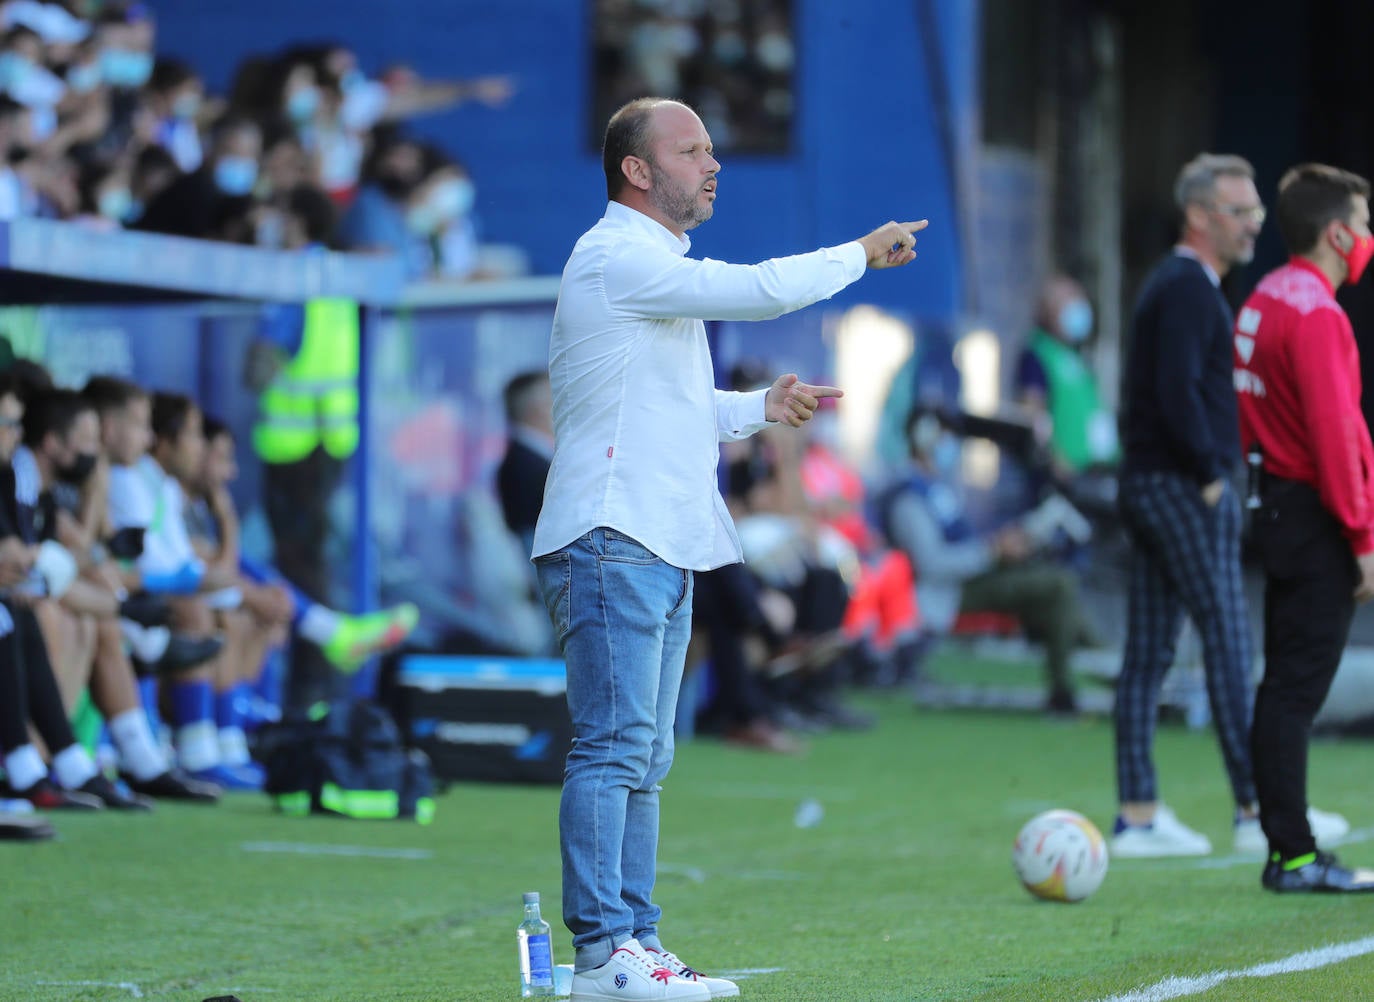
{"type": "Point", "coordinates": [24, 767]}
{"type": "Point", "coordinates": [198, 745]}
{"type": "Point", "coordinates": [146, 643]}
{"type": "Point", "coordinates": [138, 750]}
{"type": "Point", "coordinates": [318, 624]}
{"type": "Point", "coordinates": [233, 746]}
{"type": "Point", "coordinates": [73, 766]}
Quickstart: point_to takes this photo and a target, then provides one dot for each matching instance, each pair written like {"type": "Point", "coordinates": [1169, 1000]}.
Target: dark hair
{"type": "Point", "coordinates": [10, 108]}
{"type": "Point", "coordinates": [518, 391]}
{"type": "Point", "coordinates": [152, 158]}
{"type": "Point", "coordinates": [231, 122]}
{"type": "Point", "coordinates": [316, 212]}
{"type": "Point", "coordinates": [33, 379]}
{"type": "Point", "coordinates": [212, 428]}
{"type": "Point", "coordinates": [91, 176]}
{"type": "Point", "coordinates": [169, 73]}
{"type": "Point", "coordinates": [111, 393]}
{"type": "Point", "coordinates": [247, 91]}
{"type": "Point", "coordinates": [17, 33]}
{"type": "Point", "coordinates": [9, 386]}
{"type": "Point", "coordinates": [52, 411]}
{"type": "Point", "coordinates": [627, 135]}
{"type": "Point", "coordinates": [1310, 197]}
{"type": "Point", "coordinates": [170, 413]}
{"type": "Point", "coordinates": [378, 169]}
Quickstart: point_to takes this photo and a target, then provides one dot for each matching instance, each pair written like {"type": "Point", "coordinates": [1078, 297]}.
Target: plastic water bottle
{"type": "Point", "coordinates": [536, 951]}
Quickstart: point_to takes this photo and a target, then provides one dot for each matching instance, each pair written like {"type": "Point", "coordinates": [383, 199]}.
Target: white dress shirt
{"type": "Point", "coordinates": [637, 417]}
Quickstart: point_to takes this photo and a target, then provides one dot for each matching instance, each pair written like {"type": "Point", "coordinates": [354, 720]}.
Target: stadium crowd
{"type": "Point", "coordinates": [306, 149]}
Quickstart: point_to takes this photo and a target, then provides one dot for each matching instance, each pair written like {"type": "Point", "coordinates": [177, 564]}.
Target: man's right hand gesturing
{"type": "Point", "coordinates": [892, 245]}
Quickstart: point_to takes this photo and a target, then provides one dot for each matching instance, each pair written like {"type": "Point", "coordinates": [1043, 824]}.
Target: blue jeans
{"type": "Point", "coordinates": [623, 618]}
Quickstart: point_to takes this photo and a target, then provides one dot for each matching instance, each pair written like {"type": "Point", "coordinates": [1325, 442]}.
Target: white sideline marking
{"type": "Point", "coordinates": [306, 849]}
{"type": "Point", "coordinates": [745, 792]}
{"type": "Point", "coordinates": [128, 986]}
{"type": "Point", "coordinates": [693, 873]}
{"type": "Point", "coordinates": [699, 876]}
{"type": "Point", "coordinates": [1308, 960]}
{"type": "Point", "coordinates": [741, 973]}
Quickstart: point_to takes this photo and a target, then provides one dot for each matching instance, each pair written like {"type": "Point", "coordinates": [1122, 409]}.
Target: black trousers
{"type": "Point", "coordinates": [1310, 579]}
{"type": "Point", "coordinates": [296, 500]}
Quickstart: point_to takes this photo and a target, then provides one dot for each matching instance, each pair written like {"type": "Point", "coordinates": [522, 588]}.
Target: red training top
{"type": "Point", "coordinates": [1298, 385]}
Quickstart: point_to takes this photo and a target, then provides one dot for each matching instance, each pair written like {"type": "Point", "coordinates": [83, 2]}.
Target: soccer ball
{"type": "Point", "coordinates": [1060, 856]}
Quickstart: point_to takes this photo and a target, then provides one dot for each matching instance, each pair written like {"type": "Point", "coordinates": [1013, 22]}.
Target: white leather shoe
{"type": "Point", "coordinates": [718, 987]}
{"type": "Point", "coordinates": [1165, 836]}
{"type": "Point", "coordinates": [633, 975]}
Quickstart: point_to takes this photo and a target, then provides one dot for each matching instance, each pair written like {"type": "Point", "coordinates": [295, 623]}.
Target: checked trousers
{"type": "Point", "coordinates": [1185, 558]}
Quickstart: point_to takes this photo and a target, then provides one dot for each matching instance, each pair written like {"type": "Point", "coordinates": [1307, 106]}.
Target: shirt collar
{"type": "Point", "coordinates": [1188, 252]}
{"type": "Point", "coordinates": [1306, 265]}
{"type": "Point", "coordinates": [623, 215]}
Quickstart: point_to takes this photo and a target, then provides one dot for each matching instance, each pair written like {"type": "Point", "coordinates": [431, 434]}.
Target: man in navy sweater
{"type": "Point", "coordinates": [1180, 438]}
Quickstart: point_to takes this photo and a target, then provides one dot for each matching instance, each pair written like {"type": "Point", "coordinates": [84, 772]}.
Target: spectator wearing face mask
{"type": "Point", "coordinates": [17, 196]}
{"type": "Point", "coordinates": [120, 49]}
{"type": "Point", "coordinates": [107, 200]}
{"type": "Point", "coordinates": [442, 212]}
{"type": "Point", "coordinates": [25, 79]}
{"type": "Point", "coordinates": [960, 569]}
{"type": "Point", "coordinates": [192, 205]}
{"type": "Point", "coordinates": [175, 100]}
{"type": "Point", "coordinates": [1056, 386]}
{"type": "Point", "coordinates": [390, 215]}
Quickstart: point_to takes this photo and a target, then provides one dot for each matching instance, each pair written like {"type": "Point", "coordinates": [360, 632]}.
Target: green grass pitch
{"type": "Point", "coordinates": [903, 890]}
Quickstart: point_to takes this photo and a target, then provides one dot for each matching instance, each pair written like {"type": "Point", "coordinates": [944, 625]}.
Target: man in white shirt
{"type": "Point", "coordinates": [631, 509]}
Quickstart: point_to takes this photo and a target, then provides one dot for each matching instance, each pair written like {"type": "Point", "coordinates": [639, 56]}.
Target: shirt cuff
{"type": "Point", "coordinates": [751, 410]}
{"type": "Point", "coordinates": [1362, 542]}
{"type": "Point", "coordinates": [854, 256]}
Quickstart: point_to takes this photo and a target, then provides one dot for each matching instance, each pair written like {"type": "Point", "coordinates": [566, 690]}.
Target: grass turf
{"type": "Point", "coordinates": [904, 890]}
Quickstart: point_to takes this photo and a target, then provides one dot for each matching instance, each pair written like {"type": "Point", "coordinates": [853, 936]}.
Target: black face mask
{"type": "Point", "coordinates": [79, 469]}
{"type": "Point", "coordinates": [395, 187]}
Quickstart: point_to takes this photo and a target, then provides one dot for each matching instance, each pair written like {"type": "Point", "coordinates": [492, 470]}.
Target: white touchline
{"type": "Point", "coordinates": [1308, 960]}
{"type": "Point", "coordinates": [128, 986]}
{"type": "Point", "coordinates": [742, 973]}
{"type": "Point", "coordinates": [306, 849]}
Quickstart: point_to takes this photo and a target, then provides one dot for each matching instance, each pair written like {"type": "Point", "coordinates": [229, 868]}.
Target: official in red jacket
{"type": "Point", "coordinates": [1297, 374]}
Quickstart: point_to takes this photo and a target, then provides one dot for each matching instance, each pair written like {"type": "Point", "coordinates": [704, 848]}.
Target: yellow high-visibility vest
{"type": "Point", "coordinates": [313, 401]}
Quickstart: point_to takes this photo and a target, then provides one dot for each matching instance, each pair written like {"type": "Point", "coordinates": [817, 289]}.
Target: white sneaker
{"type": "Point", "coordinates": [1327, 829]}
{"type": "Point", "coordinates": [718, 987]}
{"type": "Point", "coordinates": [1249, 837]}
{"type": "Point", "coordinates": [1165, 836]}
{"type": "Point", "coordinates": [631, 975]}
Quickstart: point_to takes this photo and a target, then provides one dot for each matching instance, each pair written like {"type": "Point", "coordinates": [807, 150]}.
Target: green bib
{"type": "Point", "coordinates": [1084, 434]}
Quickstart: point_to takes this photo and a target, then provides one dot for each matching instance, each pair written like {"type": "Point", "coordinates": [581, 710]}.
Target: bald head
{"type": "Point", "coordinates": [659, 160]}
{"type": "Point", "coordinates": [627, 135]}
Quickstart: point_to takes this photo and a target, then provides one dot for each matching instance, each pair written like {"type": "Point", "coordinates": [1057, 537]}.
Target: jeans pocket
{"type": "Point", "coordinates": [620, 548]}
{"type": "Point", "coordinates": [554, 573]}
